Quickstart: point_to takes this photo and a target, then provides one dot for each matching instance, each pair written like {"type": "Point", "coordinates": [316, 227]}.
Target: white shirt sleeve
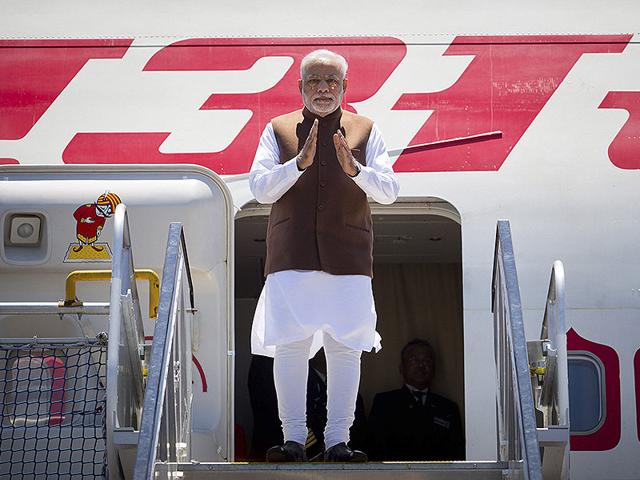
{"type": "Point", "coordinates": [377, 178]}
{"type": "Point", "coordinates": [268, 178]}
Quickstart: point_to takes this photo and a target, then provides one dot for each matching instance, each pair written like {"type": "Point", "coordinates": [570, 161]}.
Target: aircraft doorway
{"type": "Point", "coordinates": [418, 292]}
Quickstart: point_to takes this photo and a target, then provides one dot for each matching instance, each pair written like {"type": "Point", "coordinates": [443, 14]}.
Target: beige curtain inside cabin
{"type": "Point", "coordinates": [417, 301]}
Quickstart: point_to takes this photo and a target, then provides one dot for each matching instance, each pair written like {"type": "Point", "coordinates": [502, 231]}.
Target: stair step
{"type": "Point", "coordinates": [340, 471]}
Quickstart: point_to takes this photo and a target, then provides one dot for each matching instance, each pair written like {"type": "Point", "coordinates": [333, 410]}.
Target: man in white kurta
{"type": "Point", "coordinates": [300, 310]}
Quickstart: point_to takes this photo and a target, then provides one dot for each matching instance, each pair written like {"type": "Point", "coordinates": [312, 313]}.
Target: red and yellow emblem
{"type": "Point", "coordinates": [90, 220]}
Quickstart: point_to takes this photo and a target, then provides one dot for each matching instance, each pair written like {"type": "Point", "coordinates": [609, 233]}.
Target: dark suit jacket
{"type": "Point", "coordinates": [403, 429]}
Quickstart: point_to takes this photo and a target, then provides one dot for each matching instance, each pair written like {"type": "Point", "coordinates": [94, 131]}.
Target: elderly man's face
{"type": "Point", "coordinates": [322, 87]}
{"type": "Point", "coordinates": [417, 367]}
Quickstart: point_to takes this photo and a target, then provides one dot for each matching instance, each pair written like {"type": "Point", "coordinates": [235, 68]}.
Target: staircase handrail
{"type": "Point", "coordinates": [552, 387]}
{"type": "Point", "coordinates": [517, 432]}
{"type": "Point", "coordinates": [125, 381]}
{"type": "Point", "coordinates": [165, 430]}
{"type": "Point", "coordinates": [554, 330]}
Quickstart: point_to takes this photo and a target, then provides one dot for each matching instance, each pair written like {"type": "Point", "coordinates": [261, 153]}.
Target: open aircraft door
{"type": "Point", "coordinates": [60, 219]}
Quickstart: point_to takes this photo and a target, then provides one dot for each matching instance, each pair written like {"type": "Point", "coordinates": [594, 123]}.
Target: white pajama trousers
{"type": "Point", "coordinates": [290, 371]}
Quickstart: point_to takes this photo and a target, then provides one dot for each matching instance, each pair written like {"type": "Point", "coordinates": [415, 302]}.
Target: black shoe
{"type": "Point", "coordinates": [289, 452]}
{"type": "Point", "coordinates": [341, 453]}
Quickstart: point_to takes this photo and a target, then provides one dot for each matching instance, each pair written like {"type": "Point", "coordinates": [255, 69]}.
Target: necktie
{"type": "Point", "coordinates": [420, 397]}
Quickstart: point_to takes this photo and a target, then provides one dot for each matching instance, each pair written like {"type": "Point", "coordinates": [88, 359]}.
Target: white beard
{"type": "Point", "coordinates": [321, 109]}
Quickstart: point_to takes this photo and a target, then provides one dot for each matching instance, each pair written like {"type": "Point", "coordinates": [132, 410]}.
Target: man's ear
{"type": "Point", "coordinates": [300, 85]}
{"type": "Point", "coordinates": [344, 85]}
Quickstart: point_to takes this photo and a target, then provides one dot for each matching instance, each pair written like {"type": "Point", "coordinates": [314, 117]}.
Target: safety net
{"type": "Point", "coordinates": [52, 410]}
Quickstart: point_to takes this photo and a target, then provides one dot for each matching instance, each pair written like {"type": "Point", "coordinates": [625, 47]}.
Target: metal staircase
{"type": "Point", "coordinates": [524, 386]}
{"type": "Point", "coordinates": [142, 425]}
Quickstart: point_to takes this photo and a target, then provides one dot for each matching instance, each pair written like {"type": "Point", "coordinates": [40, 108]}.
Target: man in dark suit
{"type": "Point", "coordinates": [413, 423]}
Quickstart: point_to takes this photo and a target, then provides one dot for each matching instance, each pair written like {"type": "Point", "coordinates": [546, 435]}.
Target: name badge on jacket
{"type": "Point", "coordinates": [442, 422]}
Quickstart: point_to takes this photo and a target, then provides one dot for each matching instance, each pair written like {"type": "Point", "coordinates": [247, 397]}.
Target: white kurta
{"type": "Point", "coordinates": [296, 304]}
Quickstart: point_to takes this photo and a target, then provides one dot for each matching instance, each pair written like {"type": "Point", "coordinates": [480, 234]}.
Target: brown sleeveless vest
{"type": "Point", "coordinates": [323, 222]}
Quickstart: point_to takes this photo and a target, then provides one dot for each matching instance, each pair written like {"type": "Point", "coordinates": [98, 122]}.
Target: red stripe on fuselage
{"type": "Point", "coordinates": [371, 61]}
{"type": "Point", "coordinates": [624, 151]}
{"type": "Point", "coordinates": [505, 86]}
{"type": "Point", "coordinates": [507, 83]}
{"type": "Point", "coordinates": [33, 73]}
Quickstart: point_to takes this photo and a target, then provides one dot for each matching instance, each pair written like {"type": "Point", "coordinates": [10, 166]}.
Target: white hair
{"type": "Point", "coordinates": [319, 55]}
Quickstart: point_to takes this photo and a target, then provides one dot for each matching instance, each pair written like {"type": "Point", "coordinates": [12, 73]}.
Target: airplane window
{"type": "Point", "coordinates": [586, 394]}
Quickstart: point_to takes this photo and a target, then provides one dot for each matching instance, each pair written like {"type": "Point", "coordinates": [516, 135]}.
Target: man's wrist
{"type": "Point", "coordinates": [356, 165]}
{"type": "Point", "coordinates": [300, 169]}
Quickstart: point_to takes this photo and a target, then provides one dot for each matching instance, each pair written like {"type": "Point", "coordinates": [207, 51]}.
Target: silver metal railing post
{"type": "Point", "coordinates": [551, 383]}
{"type": "Point", "coordinates": [165, 431]}
{"type": "Point", "coordinates": [518, 442]}
{"type": "Point", "coordinates": [125, 382]}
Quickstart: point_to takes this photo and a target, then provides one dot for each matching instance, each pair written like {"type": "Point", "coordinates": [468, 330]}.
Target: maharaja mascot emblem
{"type": "Point", "coordinates": [90, 219]}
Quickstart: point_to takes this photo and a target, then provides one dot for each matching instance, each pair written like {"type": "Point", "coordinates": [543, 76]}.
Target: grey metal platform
{"type": "Point", "coordinates": [322, 471]}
